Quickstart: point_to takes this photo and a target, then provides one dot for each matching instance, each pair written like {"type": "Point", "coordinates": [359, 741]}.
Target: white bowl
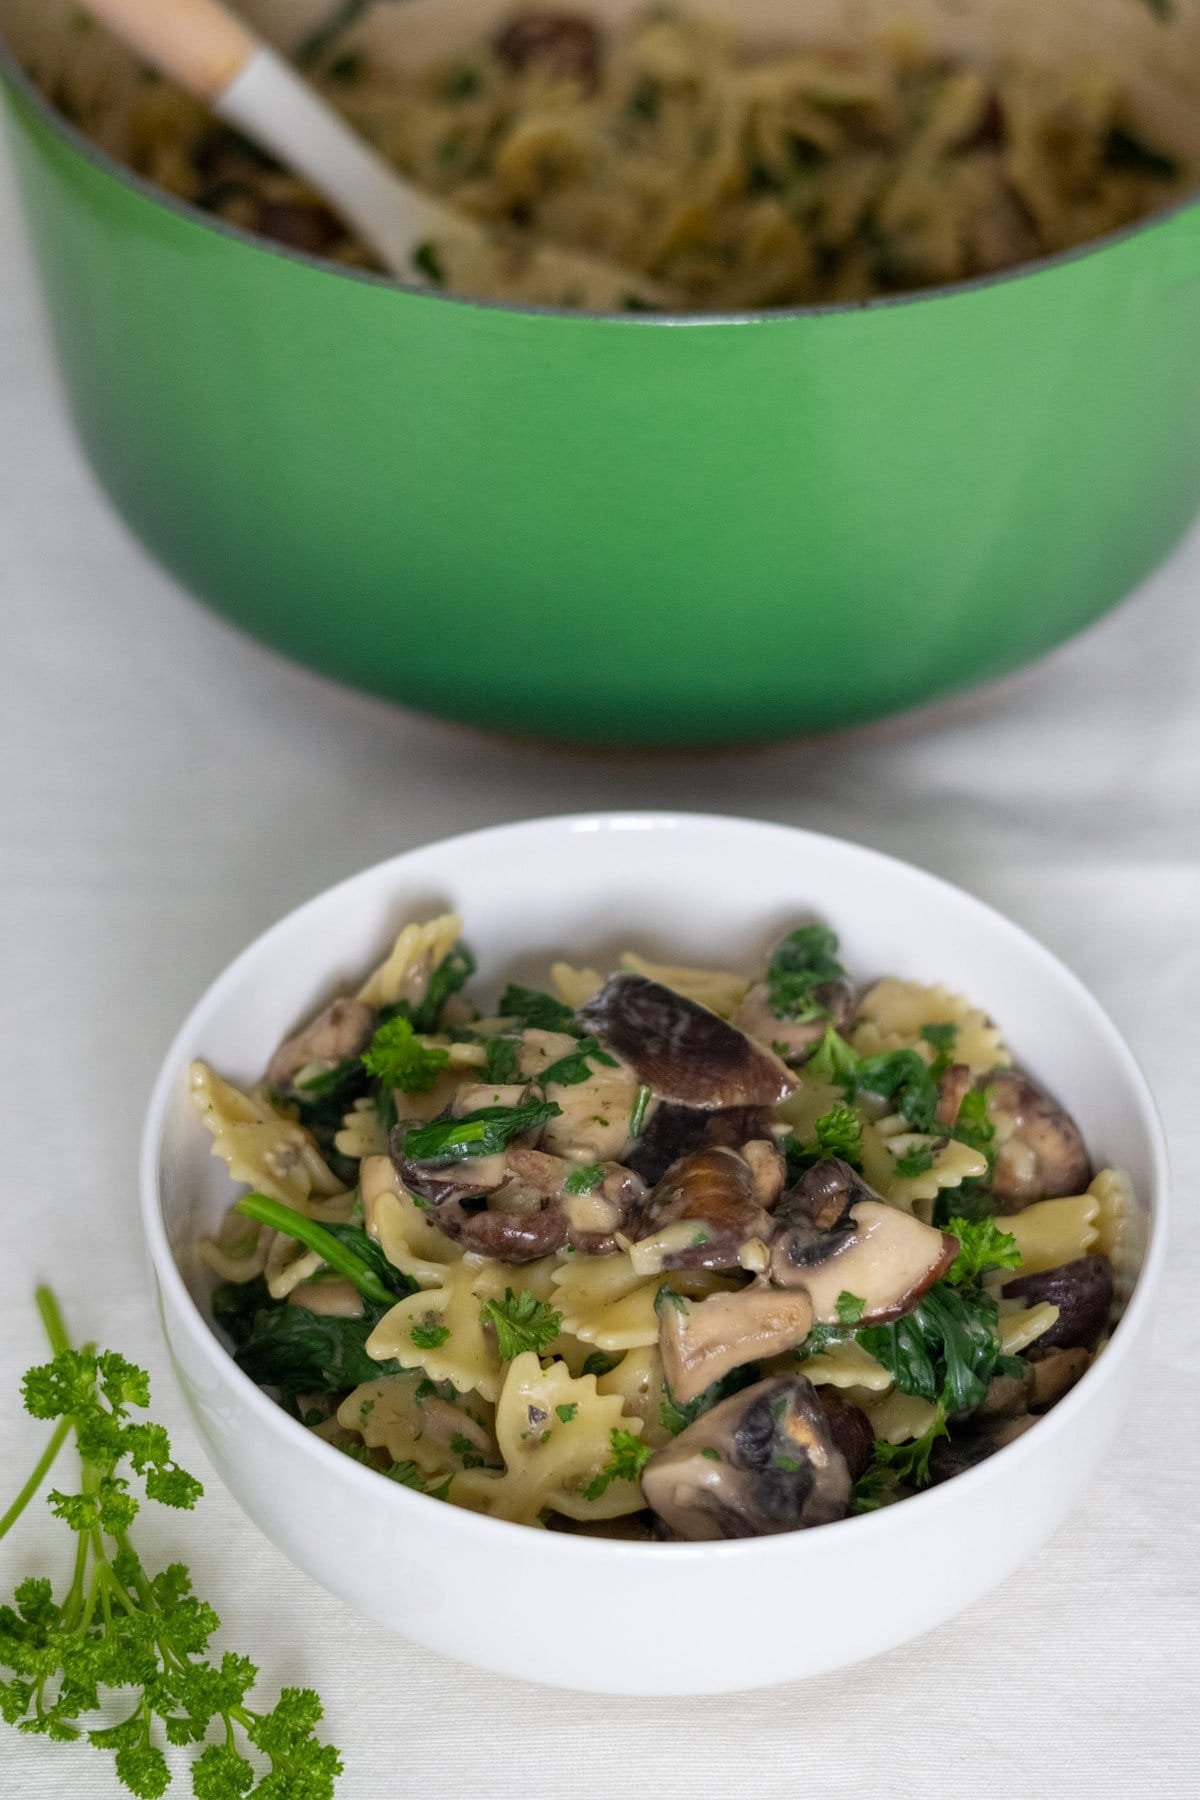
{"type": "Point", "coordinates": [606, 1616]}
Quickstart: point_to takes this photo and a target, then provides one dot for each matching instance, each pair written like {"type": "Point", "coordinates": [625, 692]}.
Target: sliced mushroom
{"type": "Point", "coordinates": [794, 1039]}
{"type": "Point", "coordinates": [1083, 1293]}
{"type": "Point", "coordinates": [953, 1087]}
{"type": "Point", "coordinates": [564, 44]}
{"type": "Point", "coordinates": [701, 1341]}
{"type": "Point", "coordinates": [343, 1030]}
{"type": "Point", "coordinates": [850, 1429]}
{"type": "Point", "coordinates": [514, 1237]}
{"type": "Point", "coordinates": [705, 1208]}
{"type": "Point", "coordinates": [1055, 1373]}
{"type": "Point", "coordinates": [763, 1461]}
{"type": "Point", "coordinates": [673, 1131]}
{"type": "Point", "coordinates": [828, 1241]}
{"type": "Point", "coordinates": [683, 1052]}
{"type": "Point", "coordinates": [1041, 1152]}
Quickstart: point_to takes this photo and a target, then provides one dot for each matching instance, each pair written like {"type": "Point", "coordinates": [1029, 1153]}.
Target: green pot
{"type": "Point", "coordinates": [636, 530]}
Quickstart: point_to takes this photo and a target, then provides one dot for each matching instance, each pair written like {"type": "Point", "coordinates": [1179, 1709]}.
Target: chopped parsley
{"type": "Point", "coordinates": [714, 1455]}
{"type": "Point", "coordinates": [916, 1161]}
{"type": "Point", "coordinates": [637, 1117]}
{"type": "Point", "coordinates": [850, 1308]}
{"type": "Point", "coordinates": [835, 1060]}
{"type": "Point", "coordinates": [482, 1133]}
{"type": "Point", "coordinates": [839, 1133]}
{"type": "Point", "coordinates": [982, 1246]}
{"type": "Point", "coordinates": [627, 1459]}
{"type": "Point", "coordinates": [429, 1336]}
{"type": "Point", "coordinates": [583, 1180]}
{"type": "Point", "coordinates": [973, 1126]}
{"type": "Point", "coordinates": [903, 1079]}
{"type": "Point", "coordinates": [945, 1351]}
{"type": "Point", "coordinates": [803, 962]}
{"type": "Point", "coordinates": [521, 1322]}
{"type": "Point", "coordinates": [941, 1040]}
{"type": "Point", "coordinates": [567, 1413]}
{"type": "Point", "coordinates": [397, 1059]}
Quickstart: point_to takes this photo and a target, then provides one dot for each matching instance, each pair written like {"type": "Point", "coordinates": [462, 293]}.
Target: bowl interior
{"type": "Point", "coordinates": [681, 888]}
{"type": "Point", "coordinates": [1156, 51]}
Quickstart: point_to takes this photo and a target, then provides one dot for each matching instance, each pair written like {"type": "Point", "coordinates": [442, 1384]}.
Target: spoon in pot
{"type": "Point", "coordinates": [214, 55]}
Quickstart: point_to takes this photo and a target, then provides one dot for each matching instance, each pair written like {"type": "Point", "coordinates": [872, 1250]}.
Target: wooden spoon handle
{"type": "Point", "coordinates": [198, 43]}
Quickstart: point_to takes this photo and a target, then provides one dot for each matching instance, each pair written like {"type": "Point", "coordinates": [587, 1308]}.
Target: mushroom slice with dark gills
{"type": "Point", "coordinates": [761, 1462]}
{"type": "Point", "coordinates": [1083, 1293]}
{"type": "Point", "coordinates": [674, 1131]}
{"type": "Point", "coordinates": [707, 1208]}
{"type": "Point", "coordinates": [343, 1030]}
{"type": "Point", "coordinates": [1040, 1152]}
{"type": "Point", "coordinates": [680, 1050]}
{"type": "Point", "coordinates": [703, 1340]}
{"type": "Point", "coordinates": [833, 1235]}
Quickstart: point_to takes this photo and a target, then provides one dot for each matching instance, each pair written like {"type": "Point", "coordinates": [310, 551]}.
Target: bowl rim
{"type": "Point", "coordinates": [76, 140]}
{"type": "Point", "coordinates": [297, 1439]}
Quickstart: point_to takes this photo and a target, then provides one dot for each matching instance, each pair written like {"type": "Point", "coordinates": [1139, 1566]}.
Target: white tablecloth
{"type": "Point", "coordinates": [167, 789]}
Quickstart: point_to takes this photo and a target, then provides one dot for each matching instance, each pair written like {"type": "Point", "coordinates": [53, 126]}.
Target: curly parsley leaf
{"type": "Point", "coordinates": [397, 1058]}
{"type": "Point", "coordinates": [803, 962]}
{"type": "Point", "coordinates": [628, 1457]}
{"type": "Point", "coordinates": [521, 1322]}
{"type": "Point", "coordinates": [429, 1336]}
{"type": "Point", "coordinates": [902, 1078]}
{"type": "Point", "coordinates": [839, 1133]}
{"type": "Point", "coordinates": [944, 1351]}
{"type": "Point", "coordinates": [916, 1161]}
{"type": "Point", "coordinates": [482, 1133]}
{"type": "Point", "coordinates": [982, 1246]}
{"type": "Point", "coordinates": [835, 1060]}
{"type": "Point", "coordinates": [118, 1628]}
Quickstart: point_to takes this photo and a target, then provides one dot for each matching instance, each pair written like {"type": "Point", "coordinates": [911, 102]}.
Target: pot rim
{"type": "Point", "coordinates": [15, 73]}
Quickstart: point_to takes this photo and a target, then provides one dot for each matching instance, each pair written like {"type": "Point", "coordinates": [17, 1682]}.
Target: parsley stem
{"type": "Point", "coordinates": [315, 1237]}
{"type": "Point", "coordinates": [61, 1433]}
{"type": "Point", "coordinates": [52, 1319]}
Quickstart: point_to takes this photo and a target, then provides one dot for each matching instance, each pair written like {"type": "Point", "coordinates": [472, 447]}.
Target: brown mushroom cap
{"type": "Point", "coordinates": [1083, 1293]}
{"type": "Point", "coordinates": [794, 1039]}
{"type": "Point", "coordinates": [762, 1462]}
{"type": "Point", "coordinates": [829, 1241]}
{"type": "Point", "coordinates": [683, 1052]}
{"type": "Point", "coordinates": [717, 1191]}
{"type": "Point", "coordinates": [565, 44]}
{"type": "Point", "coordinates": [343, 1030]}
{"type": "Point", "coordinates": [702, 1341]}
{"type": "Point", "coordinates": [1044, 1154]}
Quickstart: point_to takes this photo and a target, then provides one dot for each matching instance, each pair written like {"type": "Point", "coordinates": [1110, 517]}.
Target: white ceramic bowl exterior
{"type": "Point", "coordinates": [606, 1616]}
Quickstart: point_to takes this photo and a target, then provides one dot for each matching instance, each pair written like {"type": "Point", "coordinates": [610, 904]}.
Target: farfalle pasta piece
{"type": "Point", "coordinates": [640, 1383]}
{"type": "Point", "coordinates": [398, 1414]}
{"type": "Point", "coordinates": [440, 1329]}
{"type": "Point", "coordinates": [404, 973]}
{"type": "Point", "coordinates": [846, 1365]}
{"type": "Point", "coordinates": [405, 1231]}
{"type": "Point", "coordinates": [1018, 1325]}
{"type": "Point", "coordinates": [605, 1302]}
{"type": "Point", "coordinates": [890, 1016]}
{"type": "Point", "coordinates": [1052, 1232]}
{"type": "Point", "coordinates": [238, 1252]}
{"type": "Point", "coordinates": [896, 1417]}
{"type": "Point", "coordinates": [951, 1163]}
{"type": "Point", "coordinates": [555, 1435]}
{"type": "Point", "coordinates": [574, 987]}
{"type": "Point", "coordinates": [718, 989]}
{"type": "Point", "coordinates": [1121, 1229]}
{"type": "Point", "coordinates": [363, 1132]}
{"type": "Point", "coordinates": [258, 1144]}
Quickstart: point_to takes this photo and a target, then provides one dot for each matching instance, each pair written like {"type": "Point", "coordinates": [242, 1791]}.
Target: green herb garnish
{"type": "Point", "coordinates": [503, 1065]}
{"type": "Point", "coordinates": [916, 1161]}
{"type": "Point", "coordinates": [803, 962]}
{"type": "Point", "coordinates": [982, 1246]}
{"type": "Point", "coordinates": [570, 1070]}
{"type": "Point", "coordinates": [344, 1248]}
{"type": "Point", "coordinates": [521, 1322]}
{"type": "Point", "coordinates": [430, 1336]}
{"type": "Point", "coordinates": [118, 1628]}
{"type": "Point", "coordinates": [453, 972]}
{"type": "Point", "coordinates": [637, 1117]}
{"type": "Point", "coordinates": [583, 1180]}
{"type": "Point", "coordinates": [482, 1133]}
{"type": "Point", "coordinates": [567, 1413]}
{"type": "Point", "coordinates": [839, 1133]}
{"type": "Point", "coordinates": [628, 1458]}
{"type": "Point", "coordinates": [397, 1059]}
{"type": "Point", "coordinates": [536, 1010]}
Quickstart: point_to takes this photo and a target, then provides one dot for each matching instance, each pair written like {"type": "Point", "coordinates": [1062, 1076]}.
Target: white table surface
{"type": "Point", "coordinates": [168, 788]}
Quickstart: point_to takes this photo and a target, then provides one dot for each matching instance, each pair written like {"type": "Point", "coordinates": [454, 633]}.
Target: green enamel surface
{"type": "Point", "coordinates": [622, 531]}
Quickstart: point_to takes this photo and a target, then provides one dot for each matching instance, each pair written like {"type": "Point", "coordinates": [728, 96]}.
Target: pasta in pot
{"type": "Point", "coordinates": [737, 175]}
{"type": "Point", "coordinates": [792, 1285]}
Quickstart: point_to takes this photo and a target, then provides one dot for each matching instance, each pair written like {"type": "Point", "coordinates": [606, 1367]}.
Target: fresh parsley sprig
{"type": "Point", "coordinates": [628, 1457]}
{"type": "Point", "coordinates": [119, 1629]}
{"type": "Point", "coordinates": [397, 1058]}
{"type": "Point", "coordinates": [803, 962]}
{"type": "Point", "coordinates": [521, 1322]}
